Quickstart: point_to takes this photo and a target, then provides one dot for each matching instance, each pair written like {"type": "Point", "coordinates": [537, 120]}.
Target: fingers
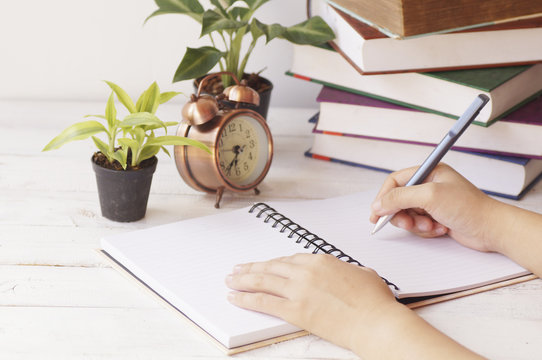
{"type": "Point", "coordinates": [258, 282]}
{"type": "Point", "coordinates": [420, 224]}
{"type": "Point", "coordinates": [264, 286]}
{"type": "Point", "coordinates": [261, 302]}
{"type": "Point", "coordinates": [396, 179]}
{"type": "Point", "coordinates": [399, 198]}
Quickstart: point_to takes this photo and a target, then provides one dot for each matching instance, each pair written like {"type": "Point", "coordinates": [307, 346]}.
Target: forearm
{"type": "Point", "coordinates": [402, 334]}
{"type": "Point", "coordinates": [518, 235]}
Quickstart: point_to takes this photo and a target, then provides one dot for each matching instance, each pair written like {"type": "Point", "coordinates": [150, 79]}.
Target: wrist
{"type": "Point", "coordinates": [377, 329]}
{"type": "Point", "coordinates": [495, 225]}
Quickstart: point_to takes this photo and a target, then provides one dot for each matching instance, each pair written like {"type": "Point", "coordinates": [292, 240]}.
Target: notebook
{"type": "Point", "coordinates": [186, 262]}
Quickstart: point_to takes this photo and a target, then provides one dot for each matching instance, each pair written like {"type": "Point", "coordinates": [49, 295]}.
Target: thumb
{"type": "Point", "coordinates": [401, 198]}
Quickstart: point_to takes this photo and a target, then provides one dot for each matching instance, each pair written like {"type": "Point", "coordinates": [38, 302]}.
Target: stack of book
{"type": "Point", "coordinates": [394, 85]}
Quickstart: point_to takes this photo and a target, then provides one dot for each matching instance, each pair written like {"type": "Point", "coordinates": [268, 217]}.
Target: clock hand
{"type": "Point", "coordinates": [234, 161]}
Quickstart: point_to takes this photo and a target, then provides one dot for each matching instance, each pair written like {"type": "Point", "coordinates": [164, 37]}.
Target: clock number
{"type": "Point", "coordinates": [237, 172]}
{"type": "Point", "coordinates": [231, 127]}
{"type": "Point", "coordinates": [251, 144]}
{"type": "Point", "coordinates": [248, 134]}
{"type": "Point", "coordinates": [222, 165]}
{"type": "Point", "coordinates": [250, 156]}
{"type": "Point", "coordinates": [245, 166]}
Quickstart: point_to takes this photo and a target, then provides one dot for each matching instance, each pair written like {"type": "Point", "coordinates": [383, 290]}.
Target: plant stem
{"type": "Point", "coordinates": [220, 64]}
{"type": "Point", "coordinates": [245, 59]}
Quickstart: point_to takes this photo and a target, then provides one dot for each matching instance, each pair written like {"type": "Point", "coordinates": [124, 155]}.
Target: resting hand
{"type": "Point", "coordinates": [326, 296]}
{"type": "Point", "coordinates": [346, 304]}
{"type": "Point", "coordinates": [446, 203]}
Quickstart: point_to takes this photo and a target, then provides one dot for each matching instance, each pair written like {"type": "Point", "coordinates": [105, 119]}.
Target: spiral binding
{"type": "Point", "coordinates": [304, 235]}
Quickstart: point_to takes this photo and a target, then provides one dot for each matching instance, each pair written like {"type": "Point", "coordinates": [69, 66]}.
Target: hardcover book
{"type": "Point", "coordinates": [373, 52]}
{"type": "Point", "coordinates": [505, 176]}
{"type": "Point", "coordinates": [404, 18]}
{"type": "Point", "coordinates": [447, 93]}
{"type": "Point", "coordinates": [517, 134]}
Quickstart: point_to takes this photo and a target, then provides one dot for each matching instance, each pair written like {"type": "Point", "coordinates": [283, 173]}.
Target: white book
{"type": "Point", "coordinates": [186, 262]}
{"type": "Point", "coordinates": [498, 175]}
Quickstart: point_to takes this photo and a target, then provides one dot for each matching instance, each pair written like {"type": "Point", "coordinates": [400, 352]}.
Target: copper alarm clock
{"type": "Point", "coordinates": [239, 139]}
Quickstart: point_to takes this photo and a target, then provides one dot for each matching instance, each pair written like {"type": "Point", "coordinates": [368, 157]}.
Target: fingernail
{"type": "Point", "coordinates": [377, 205]}
{"type": "Point", "coordinates": [440, 230]}
{"type": "Point", "coordinates": [231, 296]}
{"type": "Point", "coordinates": [237, 269]}
{"type": "Point", "coordinates": [229, 279]}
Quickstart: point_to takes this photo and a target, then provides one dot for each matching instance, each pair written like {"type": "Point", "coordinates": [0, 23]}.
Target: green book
{"type": "Point", "coordinates": [446, 93]}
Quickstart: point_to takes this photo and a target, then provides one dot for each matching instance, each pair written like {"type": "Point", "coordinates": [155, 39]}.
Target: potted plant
{"type": "Point", "coordinates": [226, 23]}
{"type": "Point", "coordinates": [125, 163]}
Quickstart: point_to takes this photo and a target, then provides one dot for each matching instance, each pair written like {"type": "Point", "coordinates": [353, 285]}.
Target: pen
{"type": "Point", "coordinates": [442, 148]}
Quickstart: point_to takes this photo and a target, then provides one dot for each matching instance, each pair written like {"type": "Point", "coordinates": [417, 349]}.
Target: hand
{"type": "Point", "coordinates": [335, 300]}
{"type": "Point", "coordinates": [445, 203]}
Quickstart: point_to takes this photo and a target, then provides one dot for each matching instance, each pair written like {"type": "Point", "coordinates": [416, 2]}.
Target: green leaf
{"type": "Point", "coordinates": [197, 62]}
{"type": "Point", "coordinates": [191, 8]}
{"type": "Point", "coordinates": [228, 2]}
{"type": "Point", "coordinates": [177, 140]}
{"type": "Point", "coordinates": [78, 131]}
{"type": "Point", "coordinates": [139, 135]}
{"type": "Point", "coordinates": [214, 21]}
{"type": "Point", "coordinates": [111, 112]}
{"type": "Point", "coordinates": [123, 97]}
{"type": "Point", "coordinates": [313, 31]}
{"type": "Point", "coordinates": [154, 127]}
{"type": "Point", "coordinates": [98, 116]}
{"type": "Point", "coordinates": [148, 152]}
{"type": "Point", "coordinates": [102, 147]}
{"type": "Point", "coordinates": [219, 7]}
{"type": "Point", "coordinates": [255, 4]}
{"type": "Point", "coordinates": [141, 118]}
{"type": "Point", "coordinates": [270, 31]}
{"type": "Point", "coordinates": [121, 155]}
{"type": "Point", "coordinates": [164, 149]}
{"type": "Point", "coordinates": [129, 143]}
{"type": "Point", "coordinates": [239, 13]}
{"type": "Point", "coordinates": [149, 99]}
{"type": "Point", "coordinates": [166, 96]}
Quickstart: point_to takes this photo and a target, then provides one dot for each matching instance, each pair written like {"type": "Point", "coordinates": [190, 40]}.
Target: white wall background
{"type": "Point", "coordinates": [62, 49]}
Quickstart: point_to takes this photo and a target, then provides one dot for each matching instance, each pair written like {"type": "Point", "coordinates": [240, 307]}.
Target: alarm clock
{"type": "Point", "coordinates": [239, 139]}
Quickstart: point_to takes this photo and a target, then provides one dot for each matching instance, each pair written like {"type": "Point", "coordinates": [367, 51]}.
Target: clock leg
{"type": "Point", "coordinates": [219, 193]}
{"type": "Point", "coordinates": [256, 191]}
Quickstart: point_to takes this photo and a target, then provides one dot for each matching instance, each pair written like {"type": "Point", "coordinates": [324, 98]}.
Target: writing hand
{"type": "Point", "coordinates": [445, 203]}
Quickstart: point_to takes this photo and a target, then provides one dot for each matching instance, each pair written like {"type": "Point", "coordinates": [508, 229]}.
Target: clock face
{"type": "Point", "coordinates": [243, 150]}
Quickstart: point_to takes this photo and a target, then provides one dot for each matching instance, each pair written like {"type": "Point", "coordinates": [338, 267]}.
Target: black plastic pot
{"type": "Point", "coordinates": [124, 194]}
{"type": "Point", "coordinates": [265, 97]}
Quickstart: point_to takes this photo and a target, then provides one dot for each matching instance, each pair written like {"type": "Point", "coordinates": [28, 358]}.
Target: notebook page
{"type": "Point", "coordinates": [417, 266]}
{"type": "Point", "coordinates": [186, 263]}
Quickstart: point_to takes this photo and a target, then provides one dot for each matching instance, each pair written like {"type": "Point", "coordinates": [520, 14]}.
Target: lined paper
{"type": "Point", "coordinates": [186, 262]}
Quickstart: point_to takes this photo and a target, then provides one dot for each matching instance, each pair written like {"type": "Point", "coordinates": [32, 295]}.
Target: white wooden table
{"type": "Point", "coordinates": [60, 300]}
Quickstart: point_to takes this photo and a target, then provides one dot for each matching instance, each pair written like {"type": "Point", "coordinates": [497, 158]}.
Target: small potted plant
{"type": "Point", "coordinates": [125, 163]}
{"type": "Point", "coordinates": [226, 24]}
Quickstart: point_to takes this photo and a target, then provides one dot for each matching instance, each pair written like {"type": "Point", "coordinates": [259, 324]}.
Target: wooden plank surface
{"type": "Point", "coordinates": [59, 299]}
